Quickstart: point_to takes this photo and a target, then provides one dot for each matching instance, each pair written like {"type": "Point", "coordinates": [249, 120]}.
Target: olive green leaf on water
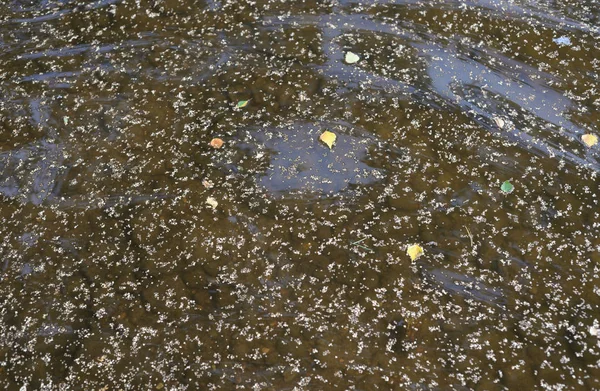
{"type": "Point", "coordinates": [507, 187]}
{"type": "Point", "coordinates": [242, 103]}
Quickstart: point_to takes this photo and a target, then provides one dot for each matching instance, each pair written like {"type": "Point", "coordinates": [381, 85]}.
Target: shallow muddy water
{"type": "Point", "coordinates": [137, 257]}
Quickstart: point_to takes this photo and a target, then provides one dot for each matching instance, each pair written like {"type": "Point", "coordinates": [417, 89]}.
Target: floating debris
{"type": "Point", "coordinates": [125, 267]}
{"type": "Point", "coordinates": [507, 187]}
{"type": "Point", "coordinates": [414, 251]}
{"type": "Point", "coordinates": [351, 58]}
{"type": "Point", "coordinates": [589, 139]}
{"type": "Point", "coordinates": [243, 103]}
{"type": "Point", "coordinates": [500, 122]}
{"type": "Point", "coordinates": [562, 41]}
{"type": "Point", "coordinates": [212, 202]}
{"type": "Point", "coordinates": [216, 143]}
{"type": "Point", "coordinates": [328, 138]}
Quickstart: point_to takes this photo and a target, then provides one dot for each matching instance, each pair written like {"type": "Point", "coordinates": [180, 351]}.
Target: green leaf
{"type": "Point", "coordinates": [507, 187]}
{"type": "Point", "coordinates": [242, 103]}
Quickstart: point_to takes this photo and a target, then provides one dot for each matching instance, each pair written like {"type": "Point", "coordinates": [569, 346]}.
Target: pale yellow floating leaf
{"type": "Point", "coordinates": [328, 138]}
{"type": "Point", "coordinates": [351, 58]}
{"type": "Point", "coordinates": [210, 201]}
{"type": "Point", "coordinates": [500, 122]}
{"type": "Point", "coordinates": [589, 139]}
{"type": "Point", "coordinates": [414, 251]}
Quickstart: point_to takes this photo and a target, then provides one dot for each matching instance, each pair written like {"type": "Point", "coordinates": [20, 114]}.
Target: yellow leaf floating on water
{"type": "Point", "coordinates": [414, 251]}
{"type": "Point", "coordinates": [351, 58]}
{"type": "Point", "coordinates": [210, 201]}
{"type": "Point", "coordinates": [328, 138]}
{"type": "Point", "coordinates": [589, 139]}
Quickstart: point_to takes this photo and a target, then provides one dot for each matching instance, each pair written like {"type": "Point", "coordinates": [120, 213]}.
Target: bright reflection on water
{"type": "Point", "coordinates": [135, 256]}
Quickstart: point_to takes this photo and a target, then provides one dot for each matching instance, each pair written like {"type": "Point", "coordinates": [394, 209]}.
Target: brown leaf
{"type": "Point", "coordinates": [216, 143]}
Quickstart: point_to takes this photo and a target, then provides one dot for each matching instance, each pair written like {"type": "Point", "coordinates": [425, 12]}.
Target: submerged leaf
{"type": "Point", "coordinates": [351, 58]}
{"type": "Point", "coordinates": [589, 139]}
{"type": "Point", "coordinates": [414, 251]}
{"type": "Point", "coordinates": [507, 187]}
{"type": "Point", "coordinates": [242, 103]}
{"type": "Point", "coordinates": [328, 138]}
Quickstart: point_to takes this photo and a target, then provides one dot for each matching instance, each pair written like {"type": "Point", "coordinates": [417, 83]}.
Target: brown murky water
{"type": "Point", "coordinates": [116, 274]}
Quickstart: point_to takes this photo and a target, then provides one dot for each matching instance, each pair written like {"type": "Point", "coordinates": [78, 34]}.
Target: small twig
{"type": "Point", "coordinates": [470, 236]}
{"type": "Point", "coordinates": [360, 245]}
{"type": "Point", "coordinates": [366, 248]}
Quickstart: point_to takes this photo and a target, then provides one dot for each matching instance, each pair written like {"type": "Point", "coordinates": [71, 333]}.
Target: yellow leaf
{"type": "Point", "coordinates": [351, 58]}
{"type": "Point", "coordinates": [414, 251]}
{"type": "Point", "coordinates": [328, 138]}
{"type": "Point", "coordinates": [589, 139]}
{"type": "Point", "coordinates": [210, 201]}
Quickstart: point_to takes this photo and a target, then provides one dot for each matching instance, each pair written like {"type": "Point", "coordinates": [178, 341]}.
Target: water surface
{"type": "Point", "coordinates": [117, 274]}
